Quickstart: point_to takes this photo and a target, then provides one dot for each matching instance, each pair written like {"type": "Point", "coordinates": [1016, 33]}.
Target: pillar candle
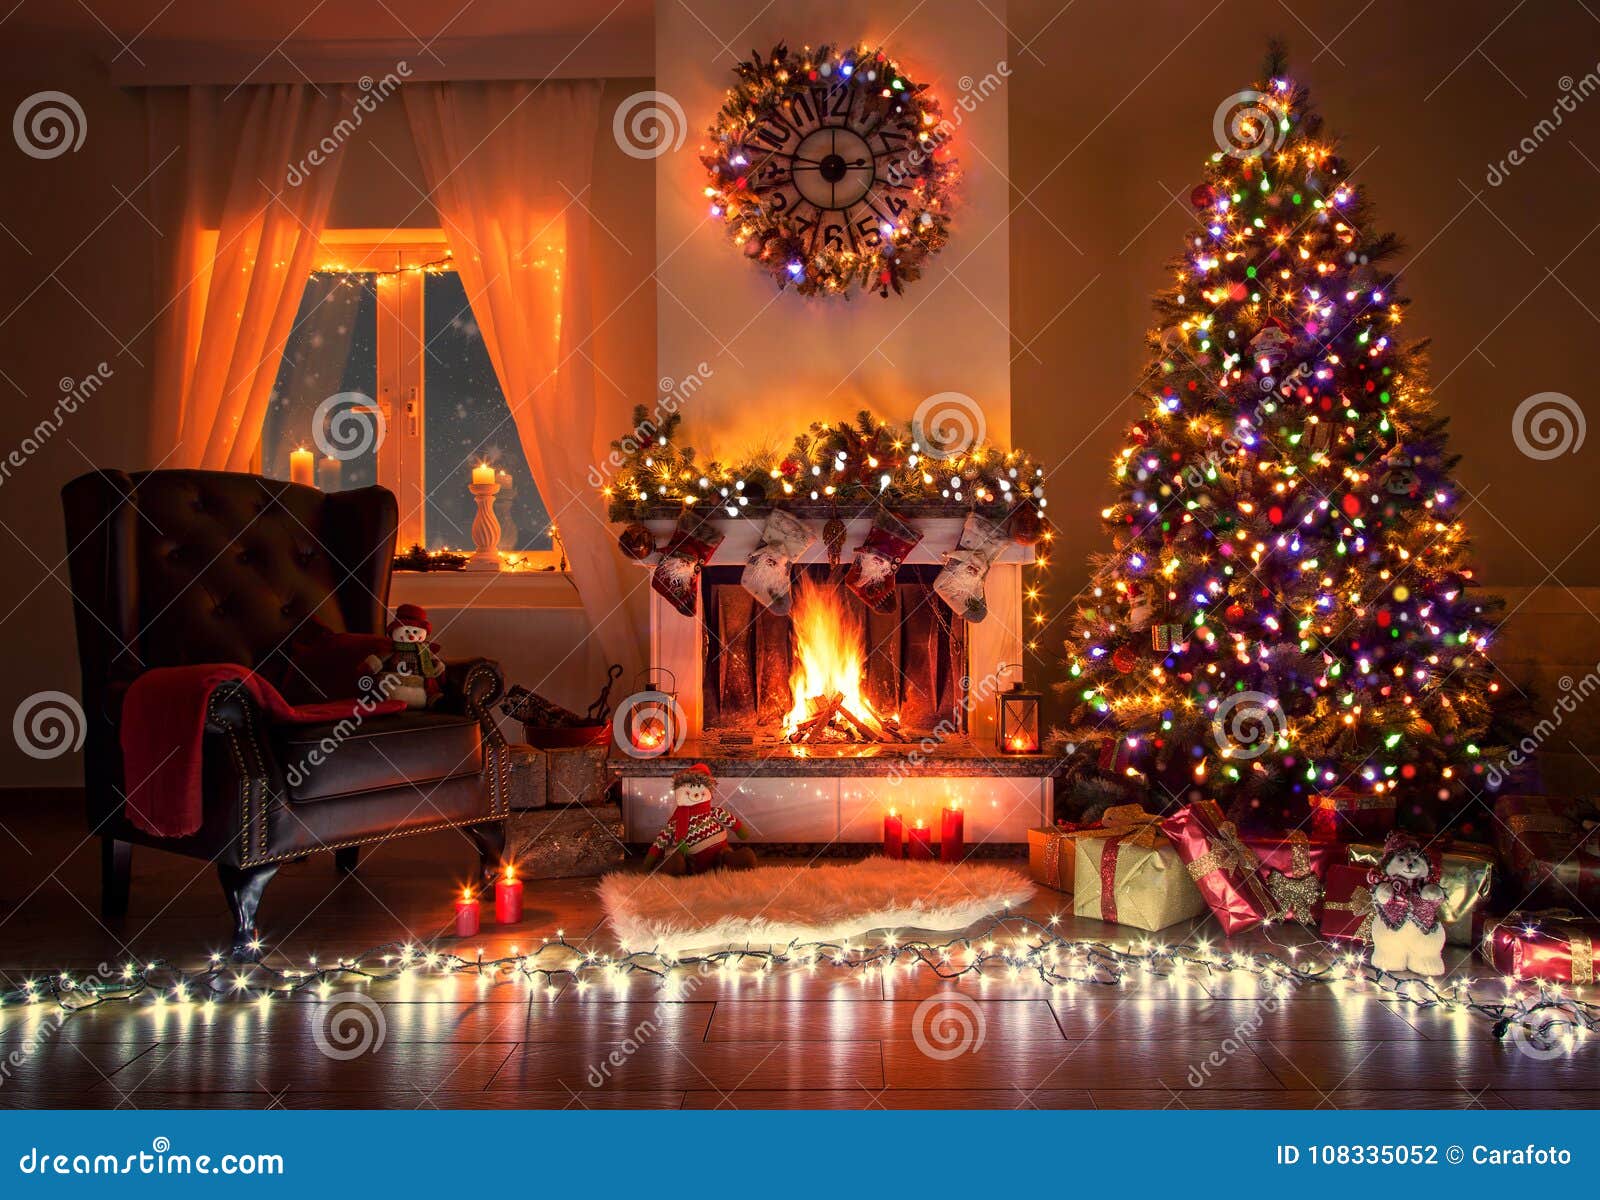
{"type": "Point", "coordinates": [952, 833]}
{"type": "Point", "coordinates": [894, 835]}
{"type": "Point", "coordinates": [483, 473]}
{"type": "Point", "coordinates": [329, 474]}
{"type": "Point", "coordinates": [468, 914]}
{"type": "Point", "coordinates": [302, 467]}
{"type": "Point", "coordinates": [508, 898]}
{"type": "Point", "coordinates": [919, 843]}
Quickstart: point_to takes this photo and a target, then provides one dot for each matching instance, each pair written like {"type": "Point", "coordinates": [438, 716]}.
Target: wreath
{"type": "Point", "coordinates": [879, 243]}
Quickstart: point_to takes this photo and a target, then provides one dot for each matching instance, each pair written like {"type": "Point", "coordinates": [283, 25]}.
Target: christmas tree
{"type": "Point", "coordinates": [1286, 607]}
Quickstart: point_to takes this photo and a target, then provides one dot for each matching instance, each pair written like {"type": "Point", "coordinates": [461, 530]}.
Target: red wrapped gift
{"type": "Point", "coordinates": [1221, 865]}
{"type": "Point", "coordinates": [1345, 814]}
{"type": "Point", "coordinates": [1347, 906]}
{"type": "Point", "coordinates": [1551, 846]}
{"type": "Point", "coordinates": [1294, 867]}
{"type": "Point", "coordinates": [1552, 945]}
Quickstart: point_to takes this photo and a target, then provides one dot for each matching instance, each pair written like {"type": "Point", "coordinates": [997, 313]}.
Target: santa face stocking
{"type": "Point", "coordinates": [960, 582]}
{"type": "Point", "coordinates": [766, 575]}
{"type": "Point", "coordinates": [677, 575]}
{"type": "Point", "coordinates": [871, 575]}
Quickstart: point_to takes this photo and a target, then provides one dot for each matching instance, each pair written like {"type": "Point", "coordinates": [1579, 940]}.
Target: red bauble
{"type": "Point", "coordinates": [1351, 504]}
{"type": "Point", "coordinates": [1237, 291]}
{"type": "Point", "coordinates": [636, 541]}
{"type": "Point", "coordinates": [1234, 612]}
{"type": "Point", "coordinates": [1203, 196]}
{"type": "Point", "coordinates": [1124, 659]}
{"type": "Point", "coordinates": [1275, 515]}
{"type": "Point", "coordinates": [1026, 525]}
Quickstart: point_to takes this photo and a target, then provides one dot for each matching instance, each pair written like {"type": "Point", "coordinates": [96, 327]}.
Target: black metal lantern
{"type": "Point", "coordinates": [651, 722]}
{"type": "Point", "coordinates": [1016, 726]}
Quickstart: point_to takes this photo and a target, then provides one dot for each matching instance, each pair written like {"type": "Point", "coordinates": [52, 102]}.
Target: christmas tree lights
{"type": "Point", "coordinates": [1285, 608]}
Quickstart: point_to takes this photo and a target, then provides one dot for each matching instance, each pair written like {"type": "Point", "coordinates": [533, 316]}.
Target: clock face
{"type": "Point", "coordinates": [832, 162]}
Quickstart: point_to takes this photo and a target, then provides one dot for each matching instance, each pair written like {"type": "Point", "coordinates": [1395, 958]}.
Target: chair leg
{"type": "Point", "coordinates": [346, 859]}
{"type": "Point", "coordinates": [491, 843]}
{"type": "Point", "coordinates": [116, 870]}
{"type": "Point", "coordinates": [243, 887]}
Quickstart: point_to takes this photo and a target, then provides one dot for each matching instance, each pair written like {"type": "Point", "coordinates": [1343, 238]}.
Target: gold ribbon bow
{"type": "Point", "coordinates": [1228, 854]}
{"type": "Point", "coordinates": [1539, 823]}
{"type": "Point", "coordinates": [1296, 896]}
{"type": "Point", "coordinates": [1360, 905]}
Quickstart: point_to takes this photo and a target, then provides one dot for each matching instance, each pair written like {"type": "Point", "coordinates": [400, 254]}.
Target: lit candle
{"type": "Point", "coordinates": [952, 832]}
{"type": "Point", "coordinates": [894, 835]}
{"type": "Point", "coordinates": [1021, 743]}
{"type": "Point", "coordinates": [508, 898]}
{"type": "Point", "coordinates": [483, 474]}
{"type": "Point", "coordinates": [468, 914]}
{"type": "Point", "coordinates": [302, 467]}
{"type": "Point", "coordinates": [919, 843]}
{"type": "Point", "coordinates": [328, 474]}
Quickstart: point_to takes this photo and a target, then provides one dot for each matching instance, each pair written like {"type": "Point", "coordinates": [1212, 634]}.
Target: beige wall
{"type": "Point", "coordinates": [781, 361]}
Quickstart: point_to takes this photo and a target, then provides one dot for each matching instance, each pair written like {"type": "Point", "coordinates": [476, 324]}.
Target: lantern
{"type": "Point", "coordinates": [651, 722]}
{"type": "Point", "coordinates": [1016, 726]}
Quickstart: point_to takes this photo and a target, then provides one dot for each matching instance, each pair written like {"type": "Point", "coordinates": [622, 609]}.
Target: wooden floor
{"type": "Point", "coordinates": [826, 1039]}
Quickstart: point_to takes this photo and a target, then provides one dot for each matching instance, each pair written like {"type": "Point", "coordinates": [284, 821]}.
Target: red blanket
{"type": "Point", "coordinates": [163, 723]}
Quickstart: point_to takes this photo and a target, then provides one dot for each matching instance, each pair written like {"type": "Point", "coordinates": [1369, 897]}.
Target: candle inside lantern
{"type": "Point", "coordinates": [329, 474]}
{"type": "Point", "coordinates": [302, 467]}
{"type": "Point", "coordinates": [508, 898]}
{"type": "Point", "coordinates": [919, 842]}
{"type": "Point", "coordinates": [483, 474]}
{"type": "Point", "coordinates": [468, 914]}
{"type": "Point", "coordinates": [894, 835]}
{"type": "Point", "coordinates": [1022, 743]}
{"type": "Point", "coordinates": [952, 832]}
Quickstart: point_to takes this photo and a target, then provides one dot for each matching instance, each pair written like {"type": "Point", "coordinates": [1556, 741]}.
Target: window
{"type": "Point", "coordinates": [386, 379]}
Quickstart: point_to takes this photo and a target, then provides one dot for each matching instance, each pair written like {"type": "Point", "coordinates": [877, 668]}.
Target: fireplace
{"type": "Point", "coordinates": [818, 721]}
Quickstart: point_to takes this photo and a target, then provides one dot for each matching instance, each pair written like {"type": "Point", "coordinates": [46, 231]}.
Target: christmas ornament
{"type": "Point", "coordinates": [1026, 525]}
{"type": "Point", "coordinates": [636, 541]}
{"type": "Point", "coordinates": [1124, 659]}
{"type": "Point", "coordinates": [1203, 196]}
{"type": "Point", "coordinates": [767, 575]}
{"type": "Point", "coordinates": [872, 572]}
{"type": "Point", "coordinates": [833, 534]}
{"type": "Point", "coordinates": [1167, 637]}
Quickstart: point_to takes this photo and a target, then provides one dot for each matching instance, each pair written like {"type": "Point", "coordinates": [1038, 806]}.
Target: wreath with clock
{"type": "Point", "coordinates": [831, 170]}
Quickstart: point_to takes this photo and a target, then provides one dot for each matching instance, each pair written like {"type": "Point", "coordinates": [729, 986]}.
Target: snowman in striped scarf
{"type": "Point", "coordinates": [695, 839]}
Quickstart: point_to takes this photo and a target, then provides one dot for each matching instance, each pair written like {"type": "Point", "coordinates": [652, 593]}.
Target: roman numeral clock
{"type": "Point", "coordinates": [832, 170]}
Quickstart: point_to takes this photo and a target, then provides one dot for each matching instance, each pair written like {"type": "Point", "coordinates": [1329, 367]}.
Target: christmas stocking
{"type": "Point", "coordinates": [766, 576]}
{"type": "Point", "coordinates": [871, 575]}
{"type": "Point", "coordinates": [960, 583]}
{"type": "Point", "coordinates": [677, 575]}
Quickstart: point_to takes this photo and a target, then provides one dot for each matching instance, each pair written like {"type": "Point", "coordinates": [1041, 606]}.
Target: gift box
{"type": "Point", "coordinates": [1552, 945]}
{"type": "Point", "coordinates": [1050, 849]}
{"type": "Point", "coordinates": [1133, 877]}
{"type": "Point", "coordinates": [1345, 814]}
{"type": "Point", "coordinates": [1221, 865]}
{"type": "Point", "coordinates": [1466, 873]}
{"type": "Point", "coordinates": [1551, 848]}
{"type": "Point", "coordinates": [1294, 867]}
{"type": "Point", "coordinates": [1347, 905]}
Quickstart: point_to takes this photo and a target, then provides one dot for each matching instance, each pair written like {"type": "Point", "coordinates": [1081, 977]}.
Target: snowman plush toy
{"type": "Point", "coordinates": [412, 670]}
{"type": "Point", "coordinates": [695, 839]}
{"type": "Point", "coordinates": [1407, 934]}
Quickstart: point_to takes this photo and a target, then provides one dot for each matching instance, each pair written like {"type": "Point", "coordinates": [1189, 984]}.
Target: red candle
{"type": "Point", "coordinates": [468, 914]}
{"type": "Point", "coordinates": [919, 845]}
{"type": "Point", "coordinates": [894, 835]}
{"type": "Point", "coordinates": [508, 898]}
{"type": "Point", "coordinates": [952, 831]}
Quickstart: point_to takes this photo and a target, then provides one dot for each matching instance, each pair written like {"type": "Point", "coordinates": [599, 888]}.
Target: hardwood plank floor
{"type": "Point", "coordinates": [817, 1038]}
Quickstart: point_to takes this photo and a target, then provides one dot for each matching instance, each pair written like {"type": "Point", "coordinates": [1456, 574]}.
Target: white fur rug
{"type": "Point", "coordinates": [773, 906]}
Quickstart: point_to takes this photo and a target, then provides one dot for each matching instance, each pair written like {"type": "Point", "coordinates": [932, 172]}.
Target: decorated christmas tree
{"type": "Point", "coordinates": [1286, 608]}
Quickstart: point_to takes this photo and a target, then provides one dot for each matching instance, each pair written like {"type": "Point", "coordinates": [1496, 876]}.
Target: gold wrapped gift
{"type": "Point", "coordinates": [1466, 872]}
{"type": "Point", "coordinates": [1133, 878]}
{"type": "Point", "coordinates": [1050, 849]}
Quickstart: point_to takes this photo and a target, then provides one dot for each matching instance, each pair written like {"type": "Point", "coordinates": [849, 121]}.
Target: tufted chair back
{"type": "Point", "coordinates": [177, 567]}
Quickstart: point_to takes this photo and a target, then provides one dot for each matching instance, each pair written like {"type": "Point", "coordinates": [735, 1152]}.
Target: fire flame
{"type": "Point", "coordinates": [830, 656]}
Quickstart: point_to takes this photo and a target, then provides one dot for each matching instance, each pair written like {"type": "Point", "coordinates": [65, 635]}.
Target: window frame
{"type": "Point", "coordinates": [400, 255]}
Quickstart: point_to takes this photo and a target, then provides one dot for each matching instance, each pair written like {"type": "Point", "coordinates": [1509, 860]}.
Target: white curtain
{"type": "Point", "coordinates": [238, 241]}
{"type": "Point", "coordinates": [508, 167]}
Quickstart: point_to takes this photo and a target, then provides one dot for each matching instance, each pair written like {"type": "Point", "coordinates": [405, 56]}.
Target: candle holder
{"type": "Point", "coordinates": [485, 529]}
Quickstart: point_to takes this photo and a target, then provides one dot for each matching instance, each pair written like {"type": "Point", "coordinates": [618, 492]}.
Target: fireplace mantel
{"type": "Point", "coordinates": [742, 534]}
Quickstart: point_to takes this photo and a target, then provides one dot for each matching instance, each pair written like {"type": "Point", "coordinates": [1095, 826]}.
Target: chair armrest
{"type": "Point", "coordinates": [472, 687]}
{"type": "Point", "coordinates": [252, 778]}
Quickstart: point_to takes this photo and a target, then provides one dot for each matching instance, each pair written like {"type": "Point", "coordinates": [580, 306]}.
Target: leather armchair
{"type": "Point", "coordinates": [171, 568]}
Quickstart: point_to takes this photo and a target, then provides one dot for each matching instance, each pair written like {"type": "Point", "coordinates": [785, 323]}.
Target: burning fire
{"type": "Point", "coordinates": [829, 668]}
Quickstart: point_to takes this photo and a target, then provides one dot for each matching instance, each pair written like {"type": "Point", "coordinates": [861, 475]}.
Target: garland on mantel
{"type": "Point", "coordinates": [844, 466]}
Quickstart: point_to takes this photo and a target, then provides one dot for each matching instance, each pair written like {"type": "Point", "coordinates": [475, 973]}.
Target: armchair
{"type": "Point", "coordinates": [171, 568]}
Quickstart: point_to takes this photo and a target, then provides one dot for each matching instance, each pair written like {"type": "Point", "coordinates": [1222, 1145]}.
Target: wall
{"type": "Point", "coordinates": [77, 264]}
{"type": "Point", "coordinates": [781, 361]}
